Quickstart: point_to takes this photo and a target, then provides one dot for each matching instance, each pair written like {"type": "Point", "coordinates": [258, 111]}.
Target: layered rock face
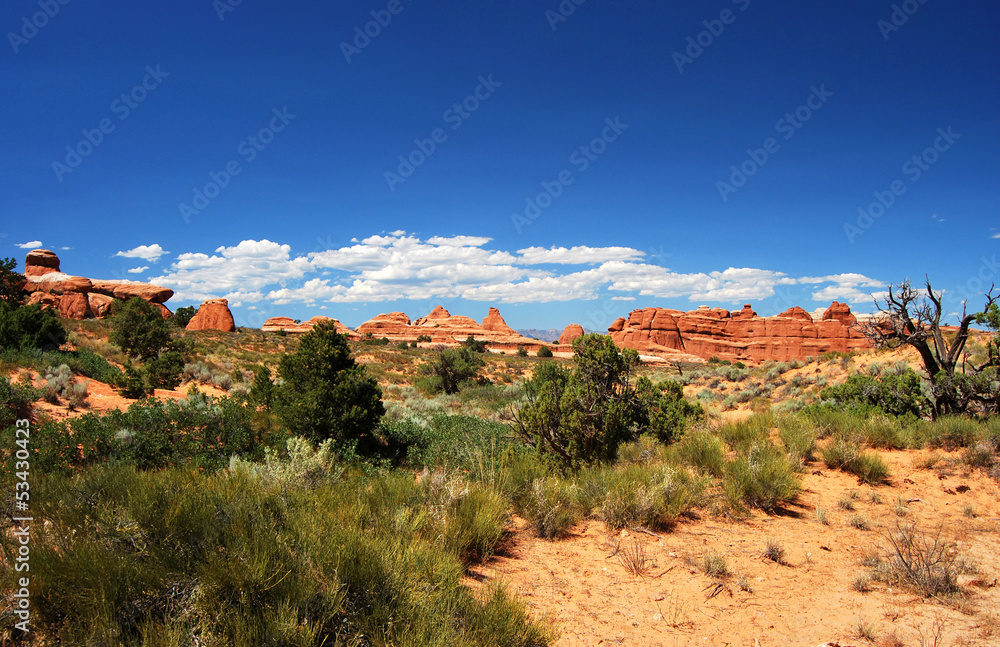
{"type": "Point", "coordinates": [444, 328]}
{"type": "Point", "coordinates": [741, 336]}
{"type": "Point", "coordinates": [76, 297]}
{"type": "Point", "coordinates": [213, 314]}
{"type": "Point", "coordinates": [274, 324]}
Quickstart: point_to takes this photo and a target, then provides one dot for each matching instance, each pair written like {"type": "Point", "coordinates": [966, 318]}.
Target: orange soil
{"type": "Point", "coordinates": [101, 397]}
{"type": "Point", "coordinates": [580, 585]}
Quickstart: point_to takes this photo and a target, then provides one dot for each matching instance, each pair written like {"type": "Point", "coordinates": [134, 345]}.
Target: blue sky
{"type": "Point", "coordinates": [563, 162]}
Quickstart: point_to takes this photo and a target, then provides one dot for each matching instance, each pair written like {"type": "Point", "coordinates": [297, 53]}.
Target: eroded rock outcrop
{"type": "Point", "coordinates": [445, 328]}
{"type": "Point", "coordinates": [77, 297]}
{"type": "Point", "coordinates": [571, 332]}
{"type": "Point", "coordinates": [213, 314]}
{"type": "Point", "coordinates": [287, 324]}
{"type": "Point", "coordinates": [40, 262]}
{"type": "Point", "coordinates": [741, 336]}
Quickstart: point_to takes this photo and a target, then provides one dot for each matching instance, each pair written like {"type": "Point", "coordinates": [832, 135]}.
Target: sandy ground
{"type": "Point", "coordinates": [101, 397]}
{"type": "Point", "coordinates": [581, 585]}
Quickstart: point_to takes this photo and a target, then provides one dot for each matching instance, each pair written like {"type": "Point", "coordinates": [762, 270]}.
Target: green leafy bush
{"type": "Point", "coordinates": [29, 327]}
{"type": "Point", "coordinates": [324, 394]}
{"type": "Point", "coordinates": [544, 351]}
{"type": "Point", "coordinates": [582, 416]}
{"type": "Point", "coordinates": [895, 393]}
{"type": "Point", "coordinates": [453, 369]}
{"type": "Point", "coordinates": [183, 316]}
{"type": "Point", "coordinates": [139, 329]}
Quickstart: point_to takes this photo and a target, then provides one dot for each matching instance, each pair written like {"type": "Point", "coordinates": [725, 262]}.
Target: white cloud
{"type": "Point", "coordinates": [64, 248]}
{"type": "Point", "coordinates": [577, 255]}
{"type": "Point", "coordinates": [35, 244]}
{"type": "Point", "coordinates": [398, 265]}
{"type": "Point", "coordinates": [151, 253]}
{"type": "Point", "coordinates": [995, 236]}
{"type": "Point", "coordinates": [250, 265]}
{"type": "Point", "coordinates": [138, 270]}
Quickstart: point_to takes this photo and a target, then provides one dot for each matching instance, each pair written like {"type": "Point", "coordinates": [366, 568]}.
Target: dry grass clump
{"type": "Point", "coordinates": [926, 564]}
{"type": "Point", "coordinates": [633, 557]}
{"type": "Point", "coordinates": [774, 551]}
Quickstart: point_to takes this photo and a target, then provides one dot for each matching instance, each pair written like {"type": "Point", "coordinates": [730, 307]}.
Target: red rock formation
{"type": "Point", "coordinates": [213, 314]}
{"type": "Point", "coordinates": [75, 306]}
{"type": "Point", "coordinates": [76, 297]}
{"type": "Point", "coordinates": [444, 328]}
{"type": "Point", "coordinates": [394, 325]}
{"type": "Point", "coordinates": [288, 325]}
{"type": "Point", "coordinates": [100, 304]}
{"type": "Point", "coordinates": [495, 323]}
{"type": "Point", "coordinates": [58, 283]}
{"type": "Point", "coordinates": [40, 262]}
{"type": "Point", "coordinates": [129, 289]}
{"type": "Point", "coordinates": [571, 332]}
{"type": "Point", "coordinates": [741, 336]}
{"type": "Point", "coordinates": [840, 312]}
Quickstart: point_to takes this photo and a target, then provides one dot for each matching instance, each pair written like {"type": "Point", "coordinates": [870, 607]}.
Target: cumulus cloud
{"type": "Point", "coordinates": [35, 244]}
{"type": "Point", "coordinates": [399, 265]}
{"type": "Point", "coordinates": [138, 270]}
{"type": "Point", "coordinates": [151, 253]}
{"type": "Point", "coordinates": [251, 265]}
{"type": "Point", "coordinates": [577, 255]}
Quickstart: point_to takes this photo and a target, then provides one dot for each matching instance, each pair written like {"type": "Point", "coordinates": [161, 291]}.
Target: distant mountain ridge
{"type": "Point", "coordinates": [549, 336]}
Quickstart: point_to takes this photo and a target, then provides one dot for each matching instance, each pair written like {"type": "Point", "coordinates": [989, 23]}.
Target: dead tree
{"type": "Point", "coordinates": [908, 317]}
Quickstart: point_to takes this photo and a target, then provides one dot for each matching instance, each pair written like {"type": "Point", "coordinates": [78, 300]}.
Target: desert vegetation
{"type": "Point", "coordinates": [311, 490]}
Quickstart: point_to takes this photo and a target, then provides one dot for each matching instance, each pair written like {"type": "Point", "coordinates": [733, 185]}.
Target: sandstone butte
{"type": "Point", "coordinates": [570, 333]}
{"type": "Point", "coordinates": [738, 336]}
{"type": "Point", "coordinates": [76, 297]}
{"type": "Point", "coordinates": [444, 328]}
{"type": "Point", "coordinates": [287, 324]}
{"type": "Point", "coordinates": [213, 314]}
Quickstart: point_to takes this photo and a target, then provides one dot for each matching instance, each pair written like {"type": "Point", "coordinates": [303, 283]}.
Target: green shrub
{"type": "Point", "coordinates": [640, 496]}
{"type": "Point", "coordinates": [139, 329]}
{"type": "Point", "coordinates": [885, 432]}
{"type": "Point", "coordinates": [870, 469]}
{"type": "Point", "coordinates": [131, 558]}
{"type": "Point", "coordinates": [29, 328]}
{"type": "Point", "coordinates": [522, 351]}
{"type": "Point", "coordinates": [798, 436]}
{"type": "Point", "coordinates": [662, 410]}
{"type": "Point", "coordinates": [952, 432]}
{"type": "Point", "coordinates": [183, 316]}
{"type": "Point", "coordinates": [164, 372]}
{"type": "Point", "coordinates": [743, 434]}
{"type": "Point", "coordinates": [763, 478]}
{"type": "Point", "coordinates": [326, 395]}
{"type": "Point", "coordinates": [15, 402]}
{"type": "Point", "coordinates": [544, 351]}
{"type": "Point", "coordinates": [703, 451]}
{"type": "Point", "coordinates": [552, 509]}
{"type": "Point", "coordinates": [453, 369]}
{"type": "Point", "coordinates": [897, 394]}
